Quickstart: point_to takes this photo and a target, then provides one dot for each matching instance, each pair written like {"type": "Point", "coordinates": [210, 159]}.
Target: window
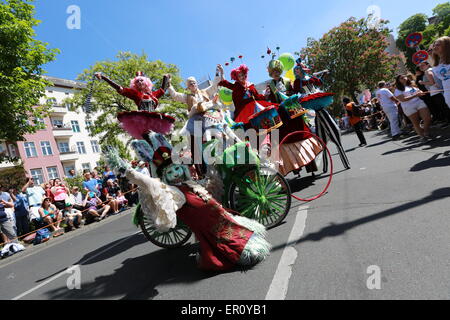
{"type": "Point", "coordinates": [12, 151]}
{"type": "Point", "coordinates": [67, 169]}
{"type": "Point", "coordinates": [81, 148]}
{"type": "Point", "coordinates": [2, 148]}
{"type": "Point", "coordinates": [52, 173]}
{"type": "Point", "coordinates": [64, 147]}
{"type": "Point", "coordinates": [58, 124]}
{"type": "Point", "coordinates": [30, 149]}
{"type": "Point", "coordinates": [46, 148]}
{"type": "Point", "coordinates": [88, 125]}
{"type": "Point", "coordinates": [40, 123]}
{"type": "Point", "coordinates": [86, 166]}
{"type": "Point", "coordinates": [37, 176]}
{"type": "Point", "coordinates": [68, 105]}
{"type": "Point", "coordinates": [95, 146]}
{"type": "Point", "coordinates": [75, 126]}
{"type": "Point", "coordinates": [52, 101]}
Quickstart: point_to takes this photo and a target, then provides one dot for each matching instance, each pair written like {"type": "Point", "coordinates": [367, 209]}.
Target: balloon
{"type": "Point", "coordinates": [226, 95]}
{"type": "Point", "coordinates": [290, 75]}
{"type": "Point", "coordinates": [287, 60]}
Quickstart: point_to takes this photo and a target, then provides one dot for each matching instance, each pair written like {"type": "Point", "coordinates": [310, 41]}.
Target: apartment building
{"type": "Point", "coordinates": [64, 144]}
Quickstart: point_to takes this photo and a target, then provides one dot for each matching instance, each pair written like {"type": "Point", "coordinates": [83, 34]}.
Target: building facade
{"type": "Point", "coordinates": [64, 144]}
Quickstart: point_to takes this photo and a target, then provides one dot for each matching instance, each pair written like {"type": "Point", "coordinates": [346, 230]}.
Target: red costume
{"type": "Point", "coordinates": [144, 100]}
{"type": "Point", "coordinates": [244, 100]}
{"type": "Point", "coordinates": [221, 239]}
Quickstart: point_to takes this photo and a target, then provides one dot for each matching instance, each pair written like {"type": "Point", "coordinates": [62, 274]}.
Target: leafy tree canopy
{"type": "Point", "coordinates": [21, 61]}
{"type": "Point", "coordinates": [356, 56]}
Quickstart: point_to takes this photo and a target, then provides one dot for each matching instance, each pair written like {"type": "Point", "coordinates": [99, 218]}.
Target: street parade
{"type": "Point", "coordinates": [265, 161]}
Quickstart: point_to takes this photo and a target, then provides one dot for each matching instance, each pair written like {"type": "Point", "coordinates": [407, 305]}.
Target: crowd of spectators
{"type": "Point", "coordinates": [411, 102]}
{"type": "Point", "coordinates": [60, 208]}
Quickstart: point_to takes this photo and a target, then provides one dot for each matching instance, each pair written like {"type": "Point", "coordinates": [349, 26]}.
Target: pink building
{"type": "Point", "coordinates": [40, 155]}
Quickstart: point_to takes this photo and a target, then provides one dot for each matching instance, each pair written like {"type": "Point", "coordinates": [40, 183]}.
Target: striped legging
{"type": "Point", "coordinates": [326, 128]}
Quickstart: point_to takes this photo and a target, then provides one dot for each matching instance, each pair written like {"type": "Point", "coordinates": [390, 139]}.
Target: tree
{"type": "Point", "coordinates": [107, 102]}
{"type": "Point", "coordinates": [21, 61]}
{"type": "Point", "coordinates": [14, 177]}
{"type": "Point", "coordinates": [440, 26]}
{"type": "Point", "coordinates": [356, 56]}
{"type": "Point", "coordinates": [416, 23]}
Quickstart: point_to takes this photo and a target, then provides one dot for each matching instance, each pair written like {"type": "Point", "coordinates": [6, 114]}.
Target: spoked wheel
{"type": "Point", "coordinates": [175, 238]}
{"type": "Point", "coordinates": [263, 195]}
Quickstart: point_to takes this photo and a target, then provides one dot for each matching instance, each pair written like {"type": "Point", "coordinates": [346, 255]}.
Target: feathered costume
{"type": "Point", "coordinates": [226, 239]}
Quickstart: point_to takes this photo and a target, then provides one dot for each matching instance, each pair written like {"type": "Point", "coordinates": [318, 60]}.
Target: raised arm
{"type": "Point", "coordinates": [180, 97]}
{"type": "Point", "coordinates": [212, 90]}
{"type": "Point", "coordinates": [100, 76]}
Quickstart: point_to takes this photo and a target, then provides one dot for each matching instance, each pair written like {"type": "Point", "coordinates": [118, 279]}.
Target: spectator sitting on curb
{"type": "Point", "coordinates": [50, 216]}
{"type": "Point", "coordinates": [60, 193]}
{"type": "Point", "coordinates": [76, 198]}
{"type": "Point", "coordinates": [110, 194]}
{"type": "Point", "coordinates": [96, 209]}
{"type": "Point", "coordinates": [73, 217]}
{"type": "Point", "coordinates": [123, 202]}
{"type": "Point", "coordinates": [21, 212]}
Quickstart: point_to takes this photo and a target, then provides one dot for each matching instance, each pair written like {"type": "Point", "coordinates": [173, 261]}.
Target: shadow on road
{"type": "Point", "coordinates": [335, 230]}
{"type": "Point", "coordinates": [433, 162]}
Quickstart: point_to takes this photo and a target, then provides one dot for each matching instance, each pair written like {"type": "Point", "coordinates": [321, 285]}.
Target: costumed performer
{"type": "Point", "coordinates": [140, 90]}
{"type": "Point", "coordinates": [326, 127]}
{"type": "Point", "coordinates": [226, 240]}
{"type": "Point", "coordinates": [300, 149]}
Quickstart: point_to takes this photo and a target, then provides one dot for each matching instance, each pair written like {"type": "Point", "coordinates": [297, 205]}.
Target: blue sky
{"type": "Point", "coordinates": [197, 34]}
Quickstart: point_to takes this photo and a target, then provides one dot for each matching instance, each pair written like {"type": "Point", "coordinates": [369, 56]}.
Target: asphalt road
{"type": "Point", "coordinates": [389, 213]}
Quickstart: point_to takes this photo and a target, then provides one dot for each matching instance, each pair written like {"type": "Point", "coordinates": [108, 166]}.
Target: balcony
{"type": "Point", "coordinates": [70, 155]}
{"type": "Point", "coordinates": [58, 110]}
{"type": "Point", "coordinates": [62, 130]}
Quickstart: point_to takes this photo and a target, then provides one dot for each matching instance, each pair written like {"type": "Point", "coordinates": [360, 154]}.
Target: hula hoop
{"type": "Point", "coordinates": [331, 164]}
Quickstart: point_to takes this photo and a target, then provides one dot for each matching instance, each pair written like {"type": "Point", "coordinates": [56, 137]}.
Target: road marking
{"type": "Point", "coordinates": [280, 283]}
{"type": "Point", "coordinates": [65, 271]}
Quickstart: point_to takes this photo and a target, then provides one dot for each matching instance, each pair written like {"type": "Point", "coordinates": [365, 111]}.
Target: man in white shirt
{"type": "Point", "coordinates": [389, 104]}
{"type": "Point", "coordinates": [143, 169]}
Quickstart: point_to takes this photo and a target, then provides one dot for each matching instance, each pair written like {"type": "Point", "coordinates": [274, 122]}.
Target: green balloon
{"type": "Point", "coordinates": [287, 60]}
{"type": "Point", "coordinates": [226, 95]}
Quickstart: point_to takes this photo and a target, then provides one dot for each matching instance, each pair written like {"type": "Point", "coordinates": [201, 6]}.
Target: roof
{"type": "Point", "coordinates": [64, 83]}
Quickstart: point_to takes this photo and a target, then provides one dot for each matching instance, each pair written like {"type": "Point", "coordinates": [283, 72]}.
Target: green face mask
{"type": "Point", "coordinates": [175, 174]}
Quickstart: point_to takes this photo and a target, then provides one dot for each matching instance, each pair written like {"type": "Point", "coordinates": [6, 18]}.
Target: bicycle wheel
{"type": "Point", "coordinates": [175, 238]}
{"type": "Point", "coordinates": [263, 195]}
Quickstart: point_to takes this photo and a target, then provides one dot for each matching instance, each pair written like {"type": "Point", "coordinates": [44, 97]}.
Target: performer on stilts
{"type": "Point", "coordinates": [326, 127]}
{"type": "Point", "coordinates": [300, 149]}
{"type": "Point", "coordinates": [140, 90]}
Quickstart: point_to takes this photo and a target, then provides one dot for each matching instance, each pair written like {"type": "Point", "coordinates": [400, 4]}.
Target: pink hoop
{"type": "Point", "coordinates": [331, 164]}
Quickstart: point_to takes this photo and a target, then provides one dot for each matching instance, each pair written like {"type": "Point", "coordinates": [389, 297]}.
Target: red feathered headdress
{"type": "Point", "coordinates": [241, 69]}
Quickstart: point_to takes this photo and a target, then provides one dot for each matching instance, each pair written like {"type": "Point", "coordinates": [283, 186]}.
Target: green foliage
{"type": "Point", "coordinates": [76, 181]}
{"type": "Point", "coordinates": [107, 102]}
{"type": "Point", "coordinates": [356, 56]}
{"type": "Point", "coordinates": [13, 178]}
{"type": "Point", "coordinates": [431, 32]}
{"type": "Point", "coordinates": [21, 60]}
